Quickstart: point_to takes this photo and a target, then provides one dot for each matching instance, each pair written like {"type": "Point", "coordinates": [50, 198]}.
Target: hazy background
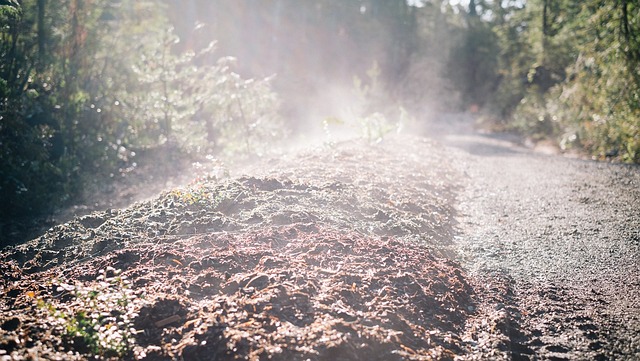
{"type": "Point", "coordinates": [319, 51]}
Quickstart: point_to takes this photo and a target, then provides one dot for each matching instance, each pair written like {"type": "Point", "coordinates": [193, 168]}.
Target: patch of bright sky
{"type": "Point", "coordinates": [420, 3]}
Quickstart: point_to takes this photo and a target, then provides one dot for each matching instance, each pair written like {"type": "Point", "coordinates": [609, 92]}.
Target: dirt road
{"type": "Point", "coordinates": [564, 233]}
{"type": "Point", "coordinates": [464, 247]}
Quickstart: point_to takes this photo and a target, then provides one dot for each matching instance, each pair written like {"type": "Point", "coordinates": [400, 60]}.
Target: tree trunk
{"type": "Point", "coordinates": [633, 52]}
{"type": "Point", "coordinates": [42, 34]}
{"type": "Point", "coordinates": [545, 30]}
{"type": "Point", "coordinates": [472, 8]}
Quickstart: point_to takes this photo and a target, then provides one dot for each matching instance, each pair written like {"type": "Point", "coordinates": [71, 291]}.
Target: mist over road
{"type": "Point", "coordinates": [564, 233]}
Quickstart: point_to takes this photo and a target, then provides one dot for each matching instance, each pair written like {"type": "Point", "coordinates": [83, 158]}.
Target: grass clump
{"type": "Point", "coordinates": [98, 317]}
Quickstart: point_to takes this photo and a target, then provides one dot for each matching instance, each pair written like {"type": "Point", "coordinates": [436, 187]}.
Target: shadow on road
{"type": "Point", "coordinates": [457, 130]}
{"type": "Point", "coordinates": [483, 145]}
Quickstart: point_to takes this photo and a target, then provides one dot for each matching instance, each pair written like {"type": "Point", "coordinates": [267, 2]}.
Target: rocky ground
{"type": "Point", "coordinates": [566, 233]}
{"type": "Point", "coordinates": [468, 247]}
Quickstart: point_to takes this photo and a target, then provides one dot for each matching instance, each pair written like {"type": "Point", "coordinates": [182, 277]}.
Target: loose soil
{"type": "Point", "coordinates": [333, 254]}
{"type": "Point", "coordinates": [412, 249]}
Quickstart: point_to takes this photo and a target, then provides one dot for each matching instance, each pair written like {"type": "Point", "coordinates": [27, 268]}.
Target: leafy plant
{"type": "Point", "coordinates": [371, 113]}
{"type": "Point", "coordinates": [197, 194]}
{"type": "Point", "coordinates": [87, 86]}
{"type": "Point", "coordinates": [99, 317]}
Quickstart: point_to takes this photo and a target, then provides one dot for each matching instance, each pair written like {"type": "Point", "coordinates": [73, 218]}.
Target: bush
{"type": "Point", "coordinates": [109, 80]}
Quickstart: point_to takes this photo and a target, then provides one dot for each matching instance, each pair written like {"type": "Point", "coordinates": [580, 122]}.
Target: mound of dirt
{"type": "Point", "coordinates": [331, 255]}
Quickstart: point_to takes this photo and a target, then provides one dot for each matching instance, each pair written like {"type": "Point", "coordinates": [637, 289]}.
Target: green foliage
{"type": "Point", "coordinates": [570, 72]}
{"type": "Point", "coordinates": [600, 98]}
{"type": "Point", "coordinates": [371, 115]}
{"type": "Point", "coordinates": [313, 47]}
{"type": "Point", "coordinates": [29, 179]}
{"type": "Point", "coordinates": [99, 318]}
{"type": "Point", "coordinates": [532, 116]}
{"type": "Point", "coordinates": [197, 194]}
{"type": "Point", "coordinates": [373, 122]}
{"type": "Point", "coordinates": [473, 63]}
{"type": "Point", "coordinates": [193, 101]}
{"type": "Point", "coordinates": [86, 84]}
{"type": "Point", "coordinates": [604, 110]}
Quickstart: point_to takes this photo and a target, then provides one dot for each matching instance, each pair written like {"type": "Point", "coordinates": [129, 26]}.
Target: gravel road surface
{"type": "Point", "coordinates": [563, 233]}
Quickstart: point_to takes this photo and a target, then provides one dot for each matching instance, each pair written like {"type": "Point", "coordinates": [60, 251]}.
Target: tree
{"type": "Point", "coordinates": [86, 83]}
{"type": "Point", "coordinates": [599, 98]}
{"type": "Point", "coordinates": [473, 62]}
